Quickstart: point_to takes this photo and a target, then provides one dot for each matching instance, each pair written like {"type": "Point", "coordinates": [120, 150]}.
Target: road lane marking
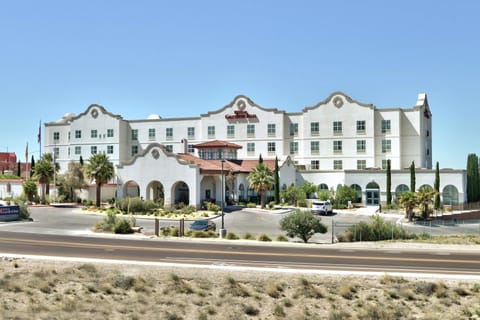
{"type": "Point", "coordinates": [228, 252]}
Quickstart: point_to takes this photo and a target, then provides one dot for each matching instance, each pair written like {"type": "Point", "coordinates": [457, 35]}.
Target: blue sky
{"type": "Point", "coordinates": [184, 58]}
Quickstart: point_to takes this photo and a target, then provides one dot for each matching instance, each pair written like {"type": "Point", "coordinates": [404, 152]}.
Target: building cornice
{"type": "Point", "coordinates": [240, 101]}
{"type": "Point", "coordinates": [338, 93]}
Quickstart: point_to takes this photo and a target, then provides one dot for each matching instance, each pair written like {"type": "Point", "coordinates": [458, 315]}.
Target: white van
{"type": "Point", "coordinates": [321, 207]}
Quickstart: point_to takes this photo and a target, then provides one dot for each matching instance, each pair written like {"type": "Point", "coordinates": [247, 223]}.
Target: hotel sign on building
{"type": "Point", "coordinates": [334, 142]}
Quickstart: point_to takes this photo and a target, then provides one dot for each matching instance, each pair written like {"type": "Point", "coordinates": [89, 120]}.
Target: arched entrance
{"type": "Point", "coordinates": [155, 192]}
{"type": "Point", "coordinates": [182, 193]}
{"type": "Point", "coordinates": [450, 195]}
{"type": "Point", "coordinates": [372, 194]}
{"type": "Point", "coordinates": [131, 189]}
{"type": "Point", "coordinates": [401, 188]}
{"type": "Point", "coordinates": [358, 190]}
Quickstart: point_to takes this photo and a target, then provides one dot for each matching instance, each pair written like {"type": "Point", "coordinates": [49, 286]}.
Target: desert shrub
{"type": "Point", "coordinates": [122, 226]}
{"type": "Point", "coordinates": [231, 236]}
{"type": "Point", "coordinates": [189, 209]}
{"type": "Point", "coordinates": [251, 310]}
{"type": "Point", "coordinates": [24, 212]}
{"type": "Point", "coordinates": [248, 236]}
{"type": "Point", "coordinates": [264, 237]}
{"type": "Point", "coordinates": [376, 230]}
{"type": "Point", "coordinates": [271, 204]}
{"type": "Point", "coordinates": [302, 224]}
{"type": "Point", "coordinates": [281, 238]}
{"type": "Point", "coordinates": [212, 207]}
{"type": "Point", "coordinates": [251, 205]}
{"type": "Point", "coordinates": [346, 237]}
{"type": "Point", "coordinates": [201, 234]}
{"type": "Point", "coordinates": [149, 206]}
{"type": "Point", "coordinates": [131, 205]}
{"type": "Point", "coordinates": [107, 224]}
{"type": "Point", "coordinates": [173, 232]}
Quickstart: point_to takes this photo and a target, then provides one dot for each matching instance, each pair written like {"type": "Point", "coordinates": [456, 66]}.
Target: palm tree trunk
{"type": "Point", "coordinates": [98, 190]}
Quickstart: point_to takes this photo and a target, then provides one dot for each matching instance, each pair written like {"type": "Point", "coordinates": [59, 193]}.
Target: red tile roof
{"type": "Point", "coordinates": [215, 166]}
{"type": "Point", "coordinates": [217, 144]}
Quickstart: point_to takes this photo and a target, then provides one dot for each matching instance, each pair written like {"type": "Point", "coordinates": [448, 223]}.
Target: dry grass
{"type": "Point", "coordinates": [49, 290]}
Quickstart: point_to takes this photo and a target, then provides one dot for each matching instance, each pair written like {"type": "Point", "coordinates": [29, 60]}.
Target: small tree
{"type": "Point", "coordinates": [30, 190]}
{"type": "Point", "coordinates": [412, 177]}
{"type": "Point", "coordinates": [100, 169]}
{"type": "Point", "coordinates": [409, 201]}
{"type": "Point", "coordinates": [261, 180]}
{"type": "Point", "coordinates": [345, 194]}
{"type": "Point", "coordinates": [276, 186]}
{"type": "Point", "coordinates": [424, 200]}
{"type": "Point", "coordinates": [309, 188]}
{"type": "Point", "coordinates": [302, 224]}
{"type": "Point", "coordinates": [292, 194]}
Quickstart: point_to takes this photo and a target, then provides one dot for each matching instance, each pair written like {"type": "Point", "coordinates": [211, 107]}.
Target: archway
{"type": "Point", "coordinates": [450, 195]}
{"type": "Point", "coordinates": [155, 192]}
{"type": "Point", "coordinates": [358, 190]}
{"type": "Point", "coordinates": [182, 193]}
{"type": "Point", "coordinates": [323, 186]}
{"type": "Point", "coordinates": [241, 193]}
{"type": "Point", "coordinates": [131, 189]}
{"type": "Point", "coordinates": [401, 188]}
{"type": "Point", "coordinates": [425, 187]}
{"type": "Point", "coordinates": [372, 194]}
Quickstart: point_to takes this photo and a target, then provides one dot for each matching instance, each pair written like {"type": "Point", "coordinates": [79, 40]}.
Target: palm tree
{"type": "Point", "coordinates": [425, 199]}
{"type": "Point", "coordinates": [43, 172]}
{"type": "Point", "coordinates": [409, 201]}
{"type": "Point", "coordinates": [261, 179]}
{"type": "Point", "coordinates": [100, 169]}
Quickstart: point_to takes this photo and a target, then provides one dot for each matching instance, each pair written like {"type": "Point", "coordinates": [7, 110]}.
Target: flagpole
{"type": "Point", "coordinates": [40, 138]}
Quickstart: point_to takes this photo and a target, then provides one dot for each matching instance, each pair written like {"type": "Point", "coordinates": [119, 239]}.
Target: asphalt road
{"type": "Point", "coordinates": [298, 257]}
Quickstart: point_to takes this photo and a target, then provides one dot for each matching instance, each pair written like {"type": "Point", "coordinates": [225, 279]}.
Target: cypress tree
{"type": "Point", "coordinates": [473, 179]}
{"type": "Point", "coordinates": [32, 166]}
{"type": "Point", "coordinates": [19, 172]}
{"type": "Point", "coordinates": [81, 161]}
{"type": "Point", "coordinates": [412, 177]}
{"type": "Point", "coordinates": [260, 159]}
{"type": "Point", "coordinates": [277, 182]}
{"type": "Point", "coordinates": [436, 186]}
{"type": "Point", "coordinates": [389, 183]}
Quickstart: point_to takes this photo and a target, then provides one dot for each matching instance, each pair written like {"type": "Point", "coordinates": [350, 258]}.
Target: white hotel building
{"type": "Point", "coordinates": [335, 142]}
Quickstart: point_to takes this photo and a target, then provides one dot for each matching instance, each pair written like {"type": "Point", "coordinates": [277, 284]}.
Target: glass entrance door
{"type": "Point", "coordinates": [372, 197]}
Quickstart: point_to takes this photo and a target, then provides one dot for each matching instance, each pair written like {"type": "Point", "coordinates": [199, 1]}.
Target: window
{"type": "Point", "coordinates": [109, 149]}
{"type": "Point", "coordinates": [56, 136]}
{"type": "Point", "coordinates": [337, 165]}
{"type": "Point", "coordinates": [293, 147]}
{"type": "Point", "coordinates": [428, 133]}
{"type": "Point", "coordinates": [315, 164]}
{"type": "Point", "coordinates": [191, 132]}
{"type": "Point", "coordinates": [271, 147]}
{"type": "Point", "coordinates": [231, 131]}
{"type": "Point", "coordinates": [384, 164]}
{"type": "Point", "coordinates": [78, 150]}
{"type": "Point", "coordinates": [250, 130]}
{"type": "Point", "coordinates": [169, 147]}
{"type": "Point", "coordinates": [250, 148]}
{"type": "Point", "coordinates": [361, 164]}
{"type": "Point", "coordinates": [69, 133]}
{"type": "Point", "coordinates": [360, 126]}
{"type": "Point", "coordinates": [314, 128]}
{"type": "Point", "coordinates": [93, 133]}
{"type": "Point", "coordinates": [68, 151]}
{"type": "Point", "coordinates": [361, 145]}
{"type": "Point", "coordinates": [271, 129]}
{"type": "Point", "coordinates": [109, 133]}
{"type": "Point", "coordinates": [134, 150]}
{"type": "Point", "coordinates": [93, 149]}
{"type": "Point", "coordinates": [169, 133]}
{"type": "Point", "coordinates": [386, 126]}
{"type": "Point", "coordinates": [337, 127]}
{"type": "Point", "coordinates": [211, 131]}
{"type": "Point", "coordinates": [337, 146]}
{"type": "Point", "coordinates": [190, 148]}
{"type": "Point", "coordinates": [314, 147]}
{"type": "Point", "coordinates": [386, 145]}
{"type": "Point", "coordinates": [134, 134]}
{"type": "Point", "coordinates": [78, 134]}
{"type": "Point", "coordinates": [56, 153]}
{"type": "Point", "coordinates": [151, 133]}
{"type": "Point", "coordinates": [294, 129]}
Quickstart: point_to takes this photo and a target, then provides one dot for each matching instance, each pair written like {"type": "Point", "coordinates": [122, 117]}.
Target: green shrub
{"type": "Point", "coordinates": [251, 205]}
{"type": "Point", "coordinates": [271, 204]}
{"type": "Point", "coordinates": [24, 212]}
{"type": "Point", "coordinates": [376, 230]}
{"type": "Point", "coordinates": [107, 224]}
{"type": "Point", "coordinates": [302, 203]}
{"type": "Point", "coordinates": [264, 237]}
{"type": "Point", "coordinates": [131, 205]}
{"type": "Point", "coordinates": [231, 236]}
{"type": "Point", "coordinates": [281, 238]}
{"type": "Point", "coordinates": [189, 209]}
{"type": "Point", "coordinates": [174, 232]}
{"type": "Point", "coordinates": [201, 234]}
{"type": "Point", "coordinates": [123, 226]}
{"type": "Point", "coordinates": [248, 236]}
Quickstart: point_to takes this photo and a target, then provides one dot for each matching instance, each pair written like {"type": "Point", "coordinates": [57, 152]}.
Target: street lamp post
{"type": "Point", "coordinates": [223, 232]}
